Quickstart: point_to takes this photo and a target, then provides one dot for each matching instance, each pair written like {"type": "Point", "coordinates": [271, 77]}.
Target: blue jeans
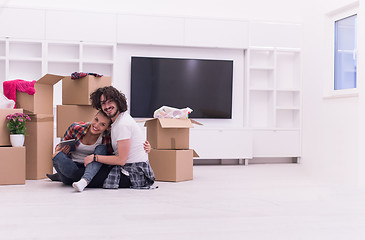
{"type": "Point", "coordinates": [70, 171]}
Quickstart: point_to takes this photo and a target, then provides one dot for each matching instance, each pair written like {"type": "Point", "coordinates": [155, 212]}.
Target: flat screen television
{"type": "Point", "coordinates": [203, 85]}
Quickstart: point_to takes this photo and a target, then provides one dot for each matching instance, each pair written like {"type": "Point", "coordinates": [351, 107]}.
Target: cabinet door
{"type": "Point", "coordinates": [80, 26]}
{"type": "Point", "coordinates": [209, 33]}
{"type": "Point", "coordinates": [31, 27]}
{"type": "Point", "coordinates": [279, 143]}
{"type": "Point", "coordinates": [150, 30]}
{"type": "Point", "coordinates": [270, 34]}
{"type": "Point", "coordinates": [221, 144]}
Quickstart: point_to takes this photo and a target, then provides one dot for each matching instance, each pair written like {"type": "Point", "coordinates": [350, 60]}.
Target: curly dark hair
{"type": "Point", "coordinates": [110, 93]}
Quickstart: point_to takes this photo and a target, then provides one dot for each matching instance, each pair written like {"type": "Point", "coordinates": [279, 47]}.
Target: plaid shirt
{"type": "Point", "coordinates": [140, 174]}
{"type": "Point", "coordinates": [78, 130]}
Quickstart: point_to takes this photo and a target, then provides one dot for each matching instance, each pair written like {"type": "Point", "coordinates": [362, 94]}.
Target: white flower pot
{"type": "Point", "coordinates": [17, 140]}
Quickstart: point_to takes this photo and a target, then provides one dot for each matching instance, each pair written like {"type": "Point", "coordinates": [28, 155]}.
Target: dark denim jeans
{"type": "Point", "coordinates": [70, 171]}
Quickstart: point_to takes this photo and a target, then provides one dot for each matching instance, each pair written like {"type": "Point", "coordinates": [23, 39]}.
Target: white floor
{"type": "Point", "coordinates": [259, 201]}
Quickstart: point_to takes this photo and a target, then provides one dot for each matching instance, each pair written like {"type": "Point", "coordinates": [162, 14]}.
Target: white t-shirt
{"type": "Point", "coordinates": [85, 150]}
{"type": "Point", "coordinates": [124, 127]}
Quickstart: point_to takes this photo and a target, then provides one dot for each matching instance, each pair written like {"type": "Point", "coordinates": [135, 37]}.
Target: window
{"type": "Point", "coordinates": [345, 53]}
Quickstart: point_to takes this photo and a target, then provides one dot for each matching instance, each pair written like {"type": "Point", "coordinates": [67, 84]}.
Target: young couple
{"type": "Point", "coordinates": [110, 150]}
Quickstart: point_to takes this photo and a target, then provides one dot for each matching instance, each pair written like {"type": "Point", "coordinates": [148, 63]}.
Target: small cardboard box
{"type": "Point", "coordinates": [68, 114]}
{"type": "Point", "coordinates": [4, 131]}
{"type": "Point", "coordinates": [39, 144]}
{"type": "Point", "coordinates": [77, 91]}
{"type": "Point", "coordinates": [12, 165]}
{"type": "Point", "coordinates": [167, 133]}
{"type": "Point", "coordinates": [172, 165]}
{"type": "Point", "coordinates": [42, 100]}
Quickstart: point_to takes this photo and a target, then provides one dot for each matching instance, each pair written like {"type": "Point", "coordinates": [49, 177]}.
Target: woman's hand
{"type": "Point", "coordinates": [88, 159]}
{"type": "Point", "coordinates": [147, 146]}
{"type": "Point", "coordinates": [66, 149]}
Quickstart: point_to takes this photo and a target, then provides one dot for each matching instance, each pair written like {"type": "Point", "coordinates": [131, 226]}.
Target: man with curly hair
{"type": "Point", "coordinates": [129, 157]}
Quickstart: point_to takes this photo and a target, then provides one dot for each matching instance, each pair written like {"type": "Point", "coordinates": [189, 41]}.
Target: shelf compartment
{"type": "Point", "coordinates": [2, 49]}
{"type": "Point", "coordinates": [64, 69]}
{"type": "Point", "coordinates": [287, 99]}
{"type": "Point", "coordinates": [261, 113]}
{"type": "Point", "coordinates": [288, 118]}
{"type": "Point", "coordinates": [262, 58]}
{"type": "Point", "coordinates": [104, 69]}
{"type": "Point", "coordinates": [288, 70]}
{"type": "Point", "coordinates": [63, 51]}
{"type": "Point", "coordinates": [25, 50]}
{"type": "Point", "coordinates": [96, 53]}
{"type": "Point", "coordinates": [261, 78]}
{"type": "Point", "coordinates": [2, 72]}
{"type": "Point", "coordinates": [25, 70]}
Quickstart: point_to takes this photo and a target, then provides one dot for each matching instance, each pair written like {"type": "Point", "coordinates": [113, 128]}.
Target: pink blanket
{"type": "Point", "coordinates": [10, 88]}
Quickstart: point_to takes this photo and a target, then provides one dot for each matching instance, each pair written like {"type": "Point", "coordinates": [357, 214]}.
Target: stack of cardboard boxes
{"type": "Point", "coordinates": [76, 105]}
{"type": "Point", "coordinates": [12, 160]}
{"type": "Point", "coordinates": [39, 139]}
{"type": "Point", "coordinates": [171, 159]}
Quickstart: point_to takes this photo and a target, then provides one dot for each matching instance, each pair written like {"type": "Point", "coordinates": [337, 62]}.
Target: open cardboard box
{"type": "Point", "coordinates": [168, 133]}
{"type": "Point", "coordinates": [77, 91]}
{"type": "Point", "coordinates": [42, 100]}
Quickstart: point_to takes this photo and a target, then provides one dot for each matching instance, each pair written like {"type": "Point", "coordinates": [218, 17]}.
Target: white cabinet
{"type": "Point", "coordinates": [221, 143]}
{"type": "Point", "coordinates": [150, 30]}
{"type": "Point", "coordinates": [216, 33]}
{"type": "Point", "coordinates": [273, 34]}
{"type": "Point", "coordinates": [271, 143]}
{"type": "Point", "coordinates": [22, 23]}
{"type": "Point", "coordinates": [80, 26]}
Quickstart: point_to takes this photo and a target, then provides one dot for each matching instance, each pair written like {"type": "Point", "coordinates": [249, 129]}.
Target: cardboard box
{"type": "Point", "coordinates": [68, 114]}
{"type": "Point", "coordinates": [77, 91]}
{"type": "Point", "coordinates": [167, 133]}
{"type": "Point", "coordinates": [4, 131]}
{"type": "Point", "coordinates": [172, 165]}
{"type": "Point", "coordinates": [42, 101]}
{"type": "Point", "coordinates": [39, 144]}
{"type": "Point", "coordinates": [12, 165]}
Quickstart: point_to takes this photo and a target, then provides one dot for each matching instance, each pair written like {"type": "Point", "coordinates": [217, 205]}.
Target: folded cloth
{"type": "Point", "coordinates": [10, 88]}
{"type": "Point", "coordinates": [78, 75]}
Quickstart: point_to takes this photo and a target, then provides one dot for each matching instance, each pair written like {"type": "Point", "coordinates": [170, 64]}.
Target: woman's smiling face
{"type": "Point", "coordinates": [100, 123]}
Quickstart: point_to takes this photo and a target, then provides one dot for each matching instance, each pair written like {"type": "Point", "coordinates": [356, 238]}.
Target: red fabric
{"type": "Point", "coordinates": [10, 88]}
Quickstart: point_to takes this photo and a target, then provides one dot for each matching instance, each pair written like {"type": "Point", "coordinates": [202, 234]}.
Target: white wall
{"type": "Point", "coordinates": [330, 125]}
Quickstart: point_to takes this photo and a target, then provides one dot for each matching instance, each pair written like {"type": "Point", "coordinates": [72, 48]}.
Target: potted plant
{"type": "Point", "coordinates": [17, 128]}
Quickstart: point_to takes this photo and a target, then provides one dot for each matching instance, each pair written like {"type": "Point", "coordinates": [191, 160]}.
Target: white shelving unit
{"type": "Point", "coordinates": [274, 101]}
{"type": "Point", "coordinates": [30, 60]}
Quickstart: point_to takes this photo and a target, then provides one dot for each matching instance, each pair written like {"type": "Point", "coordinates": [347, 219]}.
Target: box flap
{"type": "Point", "coordinates": [195, 122]}
{"type": "Point", "coordinates": [172, 122]}
{"type": "Point", "coordinates": [175, 123]}
{"type": "Point", "coordinates": [195, 154]}
{"type": "Point", "coordinates": [50, 79]}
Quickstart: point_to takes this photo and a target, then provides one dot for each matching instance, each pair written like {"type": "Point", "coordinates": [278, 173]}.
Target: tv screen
{"type": "Point", "coordinates": [203, 85]}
